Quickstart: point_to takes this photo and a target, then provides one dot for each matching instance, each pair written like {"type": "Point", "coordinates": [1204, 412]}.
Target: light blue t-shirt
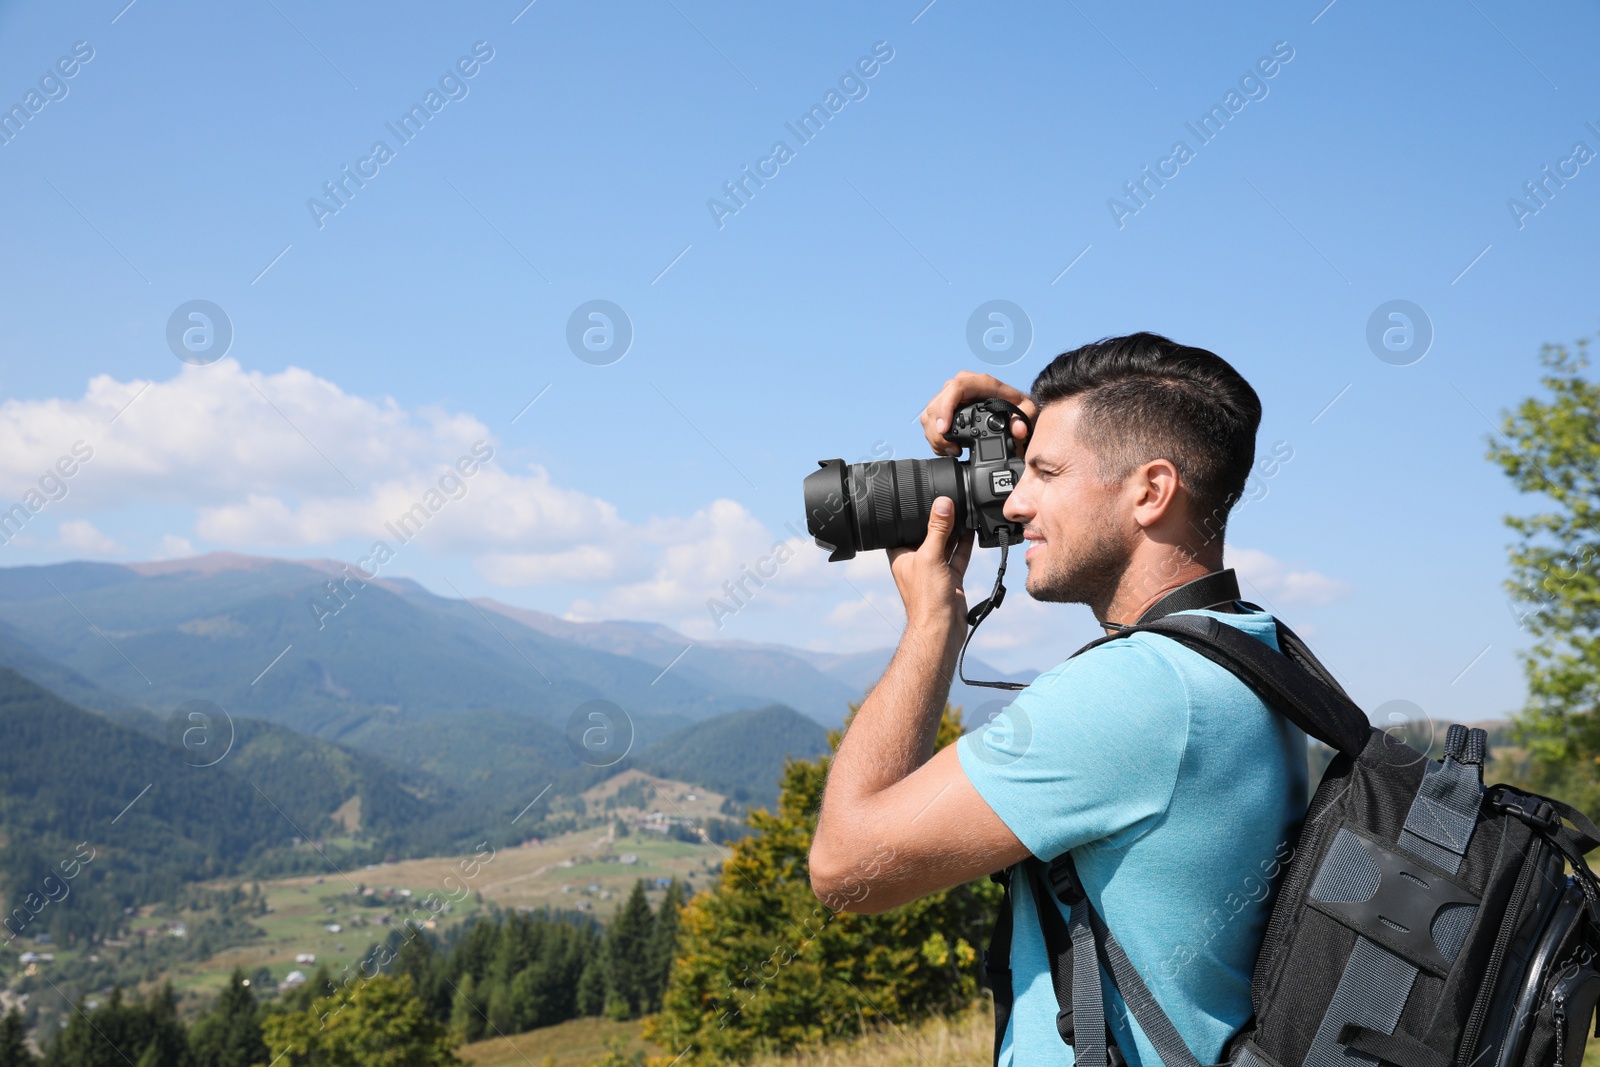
{"type": "Point", "coordinates": [1178, 792]}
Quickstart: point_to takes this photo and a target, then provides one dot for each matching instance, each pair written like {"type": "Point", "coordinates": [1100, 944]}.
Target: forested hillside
{"type": "Point", "coordinates": [740, 754]}
{"type": "Point", "coordinates": [112, 817]}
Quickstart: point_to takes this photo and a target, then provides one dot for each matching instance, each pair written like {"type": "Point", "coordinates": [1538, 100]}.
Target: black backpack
{"type": "Point", "coordinates": [1421, 921]}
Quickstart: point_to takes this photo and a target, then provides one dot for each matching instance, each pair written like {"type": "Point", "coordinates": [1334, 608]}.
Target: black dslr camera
{"type": "Point", "coordinates": [858, 507]}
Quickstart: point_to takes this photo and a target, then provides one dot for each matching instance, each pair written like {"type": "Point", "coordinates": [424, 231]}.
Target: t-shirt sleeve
{"type": "Point", "coordinates": [1090, 752]}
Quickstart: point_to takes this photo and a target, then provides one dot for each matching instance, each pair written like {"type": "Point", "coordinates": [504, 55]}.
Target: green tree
{"type": "Point", "coordinates": [372, 1022]}
{"type": "Point", "coordinates": [663, 945]}
{"type": "Point", "coordinates": [417, 957]}
{"type": "Point", "coordinates": [617, 1054]}
{"type": "Point", "coordinates": [1551, 447]}
{"type": "Point", "coordinates": [466, 1021]}
{"type": "Point", "coordinates": [14, 1051]}
{"type": "Point", "coordinates": [763, 966]}
{"type": "Point", "coordinates": [627, 951]}
{"type": "Point", "coordinates": [229, 1035]}
{"type": "Point", "coordinates": [592, 986]}
{"type": "Point", "coordinates": [120, 1030]}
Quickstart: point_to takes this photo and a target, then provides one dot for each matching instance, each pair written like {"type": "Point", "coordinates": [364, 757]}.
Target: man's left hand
{"type": "Point", "coordinates": [929, 577]}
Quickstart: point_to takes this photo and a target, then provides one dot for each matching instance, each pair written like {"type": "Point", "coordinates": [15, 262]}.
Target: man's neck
{"type": "Point", "coordinates": [1146, 581]}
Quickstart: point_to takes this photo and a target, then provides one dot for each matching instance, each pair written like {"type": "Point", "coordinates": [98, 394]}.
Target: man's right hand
{"type": "Point", "coordinates": [964, 388]}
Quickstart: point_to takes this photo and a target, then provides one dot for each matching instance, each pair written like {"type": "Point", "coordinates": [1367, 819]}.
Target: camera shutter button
{"type": "Point", "coordinates": [997, 423]}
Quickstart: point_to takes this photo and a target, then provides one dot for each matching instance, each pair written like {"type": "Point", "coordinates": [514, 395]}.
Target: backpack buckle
{"type": "Point", "coordinates": [1535, 811]}
{"type": "Point", "coordinates": [1063, 877]}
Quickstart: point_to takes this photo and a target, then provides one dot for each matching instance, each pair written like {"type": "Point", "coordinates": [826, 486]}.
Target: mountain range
{"type": "Point", "coordinates": [239, 707]}
{"type": "Point", "coordinates": [303, 644]}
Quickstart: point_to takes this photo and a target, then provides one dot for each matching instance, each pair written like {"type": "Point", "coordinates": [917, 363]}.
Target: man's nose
{"type": "Point", "coordinates": [1016, 507]}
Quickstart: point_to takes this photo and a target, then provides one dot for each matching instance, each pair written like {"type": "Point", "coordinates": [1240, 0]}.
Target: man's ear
{"type": "Point", "coordinates": [1155, 486]}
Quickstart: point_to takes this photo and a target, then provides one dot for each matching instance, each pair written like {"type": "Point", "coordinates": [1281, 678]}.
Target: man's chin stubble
{"type": "Point", "coordinates": [1091, 582]}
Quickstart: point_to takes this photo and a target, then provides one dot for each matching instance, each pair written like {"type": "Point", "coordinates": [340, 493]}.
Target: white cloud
{"type": "Point", "coordinates": [289, 460]}
{"type": "Point", "coordinates": [80, 536]}
{"type": "Point", "coordinates": [1271, 580]}
{"type": "Point", "coordinates": [266, 461]}
{"type": "Point", "coordinates": [175, 547]}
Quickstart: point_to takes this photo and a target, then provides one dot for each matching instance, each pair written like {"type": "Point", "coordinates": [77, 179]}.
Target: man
{"type": "Point", "coordinates": [1176, 789]}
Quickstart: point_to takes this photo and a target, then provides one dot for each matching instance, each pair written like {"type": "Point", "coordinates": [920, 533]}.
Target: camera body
{"type": "Point", "coordinates": [864, 506]}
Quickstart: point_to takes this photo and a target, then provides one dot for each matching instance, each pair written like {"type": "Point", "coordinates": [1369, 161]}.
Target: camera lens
{"type": "Point", "coordinates": [858, 507]}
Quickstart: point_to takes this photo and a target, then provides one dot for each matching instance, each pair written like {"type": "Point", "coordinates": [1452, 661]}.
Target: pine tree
{"type": "Point", "coordinates": [762, 965]}
{"type": "Point", "coordinates": [230, 1034]}
{"type": "Point", "coordinates": [166, 1032]}
{"type": "Point", "coordinates": [627, 957]}
{"type": "Point", "coordinates": [663, 945]}
{"type": "Point", "coordinates": [14, 1051]}
{"type": "Point", "coordinates": [592, 986]}
{"type": "Point", "coordinates": [466, 1021]}
{"type": "Point", "coordinates": [112, 1034]}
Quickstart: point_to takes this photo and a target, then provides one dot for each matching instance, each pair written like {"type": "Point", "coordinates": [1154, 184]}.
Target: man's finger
{"type": "Point", "coordinates": [964, 387]}
{"type": "Point", "coordinates": [940, 521]}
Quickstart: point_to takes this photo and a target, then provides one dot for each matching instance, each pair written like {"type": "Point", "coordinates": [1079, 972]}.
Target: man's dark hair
{"type": "Point", "coordinates": [1146, 397]}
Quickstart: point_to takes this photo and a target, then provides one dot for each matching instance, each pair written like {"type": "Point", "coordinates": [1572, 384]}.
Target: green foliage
{"type": "Point", "coordinates": [762, 966]}
{"type": "Point", "coordinates": [119, 1032]}
{"type": "Point", "coordinates": [64, 773]}
{"type": "Point", "coordinates": [14, 1051]}
{"type": "Point", "coordinates": [466, 1021]}
{"type": "Point", "coordinates": [1551, 447]}
{"type": "Point", "coordinates": [591, 999]}
{"type": "Point", "coordinates": [663, 948]}
{"type": "Point", "coordinates": [523, 970]}
{"type": "Point", "coordinates": [371, 1022]}
{"type": "Point", "coordinates": [740, 755]}
{"type": "Point", "coordinates": [229, 1035]}
{"type": "Point", "coordinates": [617, 1054]}
{"type": "Point", "coordinates": [627, 952]}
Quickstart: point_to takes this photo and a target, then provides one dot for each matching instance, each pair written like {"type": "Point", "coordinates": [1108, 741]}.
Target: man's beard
{"type": "Point", "coordinates": [1090, 575]}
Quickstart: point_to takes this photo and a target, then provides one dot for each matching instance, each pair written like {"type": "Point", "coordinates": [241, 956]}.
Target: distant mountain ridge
{"type": "Point", "coordinates": [194, 617]}
{"type": "Point", "coordinates": [476, 695]}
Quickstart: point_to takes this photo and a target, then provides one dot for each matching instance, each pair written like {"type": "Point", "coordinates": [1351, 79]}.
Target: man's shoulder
{"type": "Point", "coordinates": [1149, 676]}
{"type": "Point", "coordinates": [1148, 652]}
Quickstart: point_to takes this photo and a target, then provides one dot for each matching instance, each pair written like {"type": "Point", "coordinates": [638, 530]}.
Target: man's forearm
{"type": "Point", "coordinates": [893, 732]}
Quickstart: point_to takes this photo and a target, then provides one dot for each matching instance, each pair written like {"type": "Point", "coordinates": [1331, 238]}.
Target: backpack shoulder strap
{"type": "Point", "coordinates": [1292, 682]}
{"type": "Point", "coordinates": [1076, 949]}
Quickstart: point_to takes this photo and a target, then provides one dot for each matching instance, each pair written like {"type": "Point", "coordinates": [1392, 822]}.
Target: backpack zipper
{"type": "Point", "coordinates": [1502, 941]}
{"type": "Point", "coordinates": [1559, 1012]}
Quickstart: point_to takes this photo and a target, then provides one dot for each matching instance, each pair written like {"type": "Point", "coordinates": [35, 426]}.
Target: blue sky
{"type": "Point", "coordinates": [373, 347]}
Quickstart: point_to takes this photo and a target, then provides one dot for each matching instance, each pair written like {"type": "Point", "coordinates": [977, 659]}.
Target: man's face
{"type": "Point", "coordinates": [1078, 533]}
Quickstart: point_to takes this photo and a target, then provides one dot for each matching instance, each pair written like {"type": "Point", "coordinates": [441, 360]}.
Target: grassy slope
{"type": "Point", "coordinates": [527, 876]}
{"type": "Point", "coordinates": [965, 1040]}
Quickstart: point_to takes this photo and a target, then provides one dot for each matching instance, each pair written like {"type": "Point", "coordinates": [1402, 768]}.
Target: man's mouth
{"type": "Point", "coordinates": [1034, 536]}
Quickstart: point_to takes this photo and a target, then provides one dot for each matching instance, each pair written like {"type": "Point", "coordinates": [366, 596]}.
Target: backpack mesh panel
{"type": "Point", "coordinates": [1450, 928]}
{"type": "Point", "coordinates": [1347, 874]}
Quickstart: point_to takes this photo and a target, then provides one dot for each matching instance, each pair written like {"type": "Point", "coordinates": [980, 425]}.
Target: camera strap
{"type": "Point", "coordinates": [1215, 590]}
{"type": "Point", "coordinates": [978, 613]}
